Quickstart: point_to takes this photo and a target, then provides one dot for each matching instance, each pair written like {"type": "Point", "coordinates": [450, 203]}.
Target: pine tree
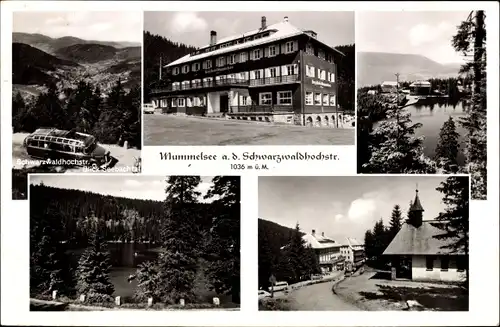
{"type": "Point", "coordinates": [178, 262]}
{"type": "Point", "coordinates": [369, 244]}
{"type": "Point", "coordinates": [395, 149]}
{"type": "Point", "coordinates": [447, 147]}
{"type": "Point", "coordinates": [379, 241]}
{"type": "Point", "coordinates": [50, 268]}
{"type": "Point", "coordinates": [148, 281]}
{"type": "Point", "coordinates": [223, 249]}
{"type": "Point", "coordinates": [93, 273]}
{"type": "Point", "coordinates": [455, 218]}
{"type": "Point", "coordinates": [395, 223]}
{"type": "Point", "coordinates": [471, 38]}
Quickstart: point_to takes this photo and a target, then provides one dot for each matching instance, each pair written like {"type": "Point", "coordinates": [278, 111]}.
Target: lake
{"type": "Point", "coordinates": [125, 257]}
{"type": "Point", "coordinates": [432, 113]}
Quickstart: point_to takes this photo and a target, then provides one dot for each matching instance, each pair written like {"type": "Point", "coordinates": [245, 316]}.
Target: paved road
{"type": "Point", "coordinates": [162, 129]}
{"type": "Point", "coordinates": [318, 297]}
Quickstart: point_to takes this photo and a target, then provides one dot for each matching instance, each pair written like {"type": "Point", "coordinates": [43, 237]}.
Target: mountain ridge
{"type": "Point", "coordinates": [377, 67]}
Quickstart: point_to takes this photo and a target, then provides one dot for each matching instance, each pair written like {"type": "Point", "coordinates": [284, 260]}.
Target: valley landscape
{"type": "Point", "coordinates": [39, 59]}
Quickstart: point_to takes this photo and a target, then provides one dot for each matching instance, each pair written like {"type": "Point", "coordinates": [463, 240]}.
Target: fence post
{"type": "Point", "coordinates": [150, 302]}
{"type": "Point", "coordinates": [216, 301]}
{"type": "Point", "coordinates": [82, 298]}
{"type": "Point", "coordinates": [118, 300]}
{"type": "Point", "coordinates": [54, 295]}
{"type": "Point", "coordinates": [182, 302]}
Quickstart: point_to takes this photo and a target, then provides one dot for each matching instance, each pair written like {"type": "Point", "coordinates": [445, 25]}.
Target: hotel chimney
{"type": "Point", "coordinates": [263, 23]}
{"type": "Point", "coordinates": [285, 19]}
{"type": "Point", "coordinates": [322, 233]}
{"type": "Point", "coordinates": [313, 232]}
{"type": "Point", "coordinates": [213, 38]}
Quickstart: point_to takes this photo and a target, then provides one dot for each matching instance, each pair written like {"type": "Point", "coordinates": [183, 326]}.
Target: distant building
{"type": "Point", "coordinates": [327, 251]}
{"type": "Point", "coordinates": [275, 73]}
{"type": "Point", "coordinates": [389, 87]}
{"type": "Point", "coordinates": [420, 88]}
{"type": "Point", "coordinates": [423, 257]}
{"type": "Point", "coordinates": [354, 252]}
{"type": "Point", "coordinates": [372, 92]}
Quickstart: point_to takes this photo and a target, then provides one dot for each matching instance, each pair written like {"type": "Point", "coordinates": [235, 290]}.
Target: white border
{"type": "Point", "coordinates": [483, 229]}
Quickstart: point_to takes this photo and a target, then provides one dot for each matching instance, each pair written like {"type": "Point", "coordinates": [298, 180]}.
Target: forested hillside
{"type": "Point", "coordinates": [123, 219]}
{"type": "Point", "coordinates": [283, 253]}
{"type": "Point", "coordinates": [156, 47]}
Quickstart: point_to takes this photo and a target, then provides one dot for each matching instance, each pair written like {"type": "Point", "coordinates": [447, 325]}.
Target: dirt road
{"type": "Point", "coordinates": [162, 129]}
{"type": "Point", "coordinates": [318, 297]}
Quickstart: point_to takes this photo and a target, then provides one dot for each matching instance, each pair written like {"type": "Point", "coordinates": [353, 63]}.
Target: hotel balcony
{"type": "Point", "coordinates": [228, 82]}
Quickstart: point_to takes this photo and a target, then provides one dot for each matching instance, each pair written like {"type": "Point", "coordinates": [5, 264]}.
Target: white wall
{"type": "Point", "coordinates": [213, 102]}
{"type": "Point", "coordinates": [419, 270]}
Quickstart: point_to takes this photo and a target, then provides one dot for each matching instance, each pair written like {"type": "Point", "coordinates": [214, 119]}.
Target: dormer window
{"type": "Point", "coordinates": [185, 69]}
{"type": "Point", "coordinates": [321, 54]}
{"type": "Point", "coordinates": [176, 71]}
{"type": "Point", "coordinates": [196, 66]}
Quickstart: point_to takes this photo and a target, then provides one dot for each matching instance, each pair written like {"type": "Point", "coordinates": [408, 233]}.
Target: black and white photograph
{"type": "Point", "coordinates": [422, 94]}
{"type": "Point", "coordinates": [134, 242]}
{"type": "Point", "coordinates": [76, 93]}
{"type": "Point", "coordinates": [249, 78]}
{"type": "Point", "coordinates": [364, 243]}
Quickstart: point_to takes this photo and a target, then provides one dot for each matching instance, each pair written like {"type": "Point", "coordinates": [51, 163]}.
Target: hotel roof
{"type": "Point", "coordinates": [282, 30]}
{"type": "Point", "coordinates": [421, 83]}
{"type": "Point", "coordinates": [411, 240]}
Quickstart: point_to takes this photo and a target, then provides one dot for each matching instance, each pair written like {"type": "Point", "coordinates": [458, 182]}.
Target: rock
{"type": "Point", "coordinates": [414, 305]}
{"type": "Point", "coordinates": [82, 298]}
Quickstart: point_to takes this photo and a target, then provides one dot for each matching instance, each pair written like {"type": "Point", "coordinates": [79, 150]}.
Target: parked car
{"type": "Point", "coordinates": [279, 286]}
{"type": "Point", "coordinates": [316, 276]}
{"type": "Point", "coordinates": [263, 294]}
{"type": "Point", "coordinates": [148, 108]}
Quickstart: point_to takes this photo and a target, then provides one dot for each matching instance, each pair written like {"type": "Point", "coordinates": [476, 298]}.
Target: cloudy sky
{"type": "Point", "coordinates": [193, 28]}
{"type": "Point", "coordinates": [88, 25]}
{"type": "Point", "coordinates": [130, 186]}
{"type": "Point", "coordinates": [343, 206]}
{"type": "Point", "coordinates": [418, 32]}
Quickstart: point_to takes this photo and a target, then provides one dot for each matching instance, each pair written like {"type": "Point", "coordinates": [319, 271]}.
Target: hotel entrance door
{"type": "Point", "coordinates": [224, 102]}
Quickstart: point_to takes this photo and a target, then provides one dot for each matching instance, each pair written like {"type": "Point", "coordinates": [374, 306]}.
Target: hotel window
{"type": "Point", "coordinates": [310, 71]}
{"type": "Point", "coordinates": [309, 49]}
{"type": "Point", "coordinates": [196, 66]}
{"type": "Point", "coordinates": [189, 102]}
{"type": "Point", "coordinates": [445, 263]}
{"type": "Point", "coordinates": [232, 59]}
{"type": "Point", "coordinates": [181, 102]}
{"type": "Point", "coordinates": [185, 69]}
{"type": "Point", "coordinates": [332, 100]}
{"type": "Point", "coordinates": [317, 99]}
{"type": "Point", "coordinates": [243, 100]}
{"type": "Point", "coordinates": [197, 102]}
{"type": "Point", "coordinates": [176, 71]}
{"type": "Point", "coordinates": [326, 99]}
{"type": "Point", "coordinates": [248, 39]}
{"type": "Point", "coordinates": [176, 86]}
{"type": "Point", "coordinates": [208, 64]}
{"type": "Point", "coordinates": [292, 69]}
{"type": "Point", "coordinates": [243, 57]}
{"type": "Point", "coordinates": [289, 47]}
{"type": "Point", "coordinates": [429, 262]}
{"type": "Point", "coordinates": [265, 99]}
{"type": "Point", "coordinates": [309, 98]}
{"type": "Point", "coordinates": [257, 74]}
{"type": "Point", "coordinates": [273, 72]}
{"type": "Point", "coordinates": [207, 81]}
{"type": "Point", "coordinates": [272, 51]}
{"type": "Point", "coordinates": [332, 77]}
{"type": "Point", "coordinates": [185, 85]}
{"type": "Point", "coordinates": [323, 75]}
{"type": "Point", "coordinates": [285, 98]}
{"type": "Point", "coordinates": [256, 54]}
{"type": "Point", "coordinates": [321, 54]}
{"type": "Point", "coordinates": [196, 83]}
{"type": "Point", "coordinates": [174, 102]}
{"type": "Point", "coordinates": [221, 61]}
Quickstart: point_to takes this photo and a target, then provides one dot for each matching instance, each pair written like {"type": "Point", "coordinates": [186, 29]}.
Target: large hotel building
{"type": "Point", "coordinates": [277, 73]}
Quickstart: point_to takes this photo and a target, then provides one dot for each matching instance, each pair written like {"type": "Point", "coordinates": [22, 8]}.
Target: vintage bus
{"type": "Point", "coordinates": [78, 149]}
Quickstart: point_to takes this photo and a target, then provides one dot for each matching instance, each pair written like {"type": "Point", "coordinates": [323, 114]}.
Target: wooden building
{"type": "Point", "coordinates": [275, 73]}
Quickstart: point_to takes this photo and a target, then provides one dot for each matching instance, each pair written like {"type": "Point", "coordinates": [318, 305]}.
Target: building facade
{"type": "Point", "coordinates": [420, 88]}
{"type": "Point", "coordinates": [354, 252]}
{"type": "Point", "coordinates": [276, 73]}
{"type": "Point", "coordinates": [389, 87]}
{"type": "Point", "coordinates": [327, 251]}
{"type": "Point", "coordinates": [418, 255]}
